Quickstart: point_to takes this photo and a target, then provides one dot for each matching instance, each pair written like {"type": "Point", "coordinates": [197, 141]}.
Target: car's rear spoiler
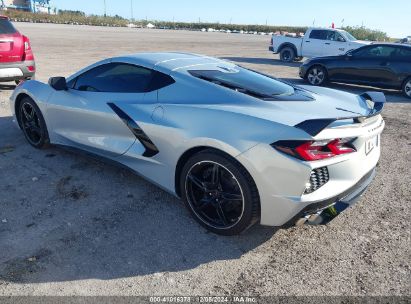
{"type": "Point", "coordinates": [315, 126]}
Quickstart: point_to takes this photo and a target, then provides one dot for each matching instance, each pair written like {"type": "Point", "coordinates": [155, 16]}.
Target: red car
{"type": "Point", "coordinates": [16, 55]}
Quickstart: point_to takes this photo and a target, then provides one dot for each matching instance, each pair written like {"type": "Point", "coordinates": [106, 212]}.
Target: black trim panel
{"type": "Point", "coordinates": [150, 147]}
{"type": "Point", "coordinates": [314, 207]}
{"type": "Point", "coordinates": [314, 126]}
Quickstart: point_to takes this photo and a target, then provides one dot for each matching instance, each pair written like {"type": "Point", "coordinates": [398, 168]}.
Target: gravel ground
{"type": "Point", "coordinates": [70, 225]}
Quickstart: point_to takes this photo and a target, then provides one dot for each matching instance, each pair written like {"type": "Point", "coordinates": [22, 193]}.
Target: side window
{"type": "Point", "coordinates": [160, 80]}
{"type": "Point", "coordinates": [318, 34]}
{"type": "Point", "coordinates": [115, 77]}
{"type": "Point", "coordinates": [403, 53]}
{"type": "Point", "coordinates": [335, 36]}
{"type": "Point", "coordinates": [375, 52]}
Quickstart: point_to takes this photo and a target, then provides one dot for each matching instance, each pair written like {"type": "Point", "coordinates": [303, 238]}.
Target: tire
{"type": "Point", "coordinates": [32, 123]}
{"type": "Point", "coordinates": [287, 54]}
{"type": "Point", "coordinates": [219, 193]}
{"type": "Point", "coordinates": [406, 87]}
{"type": "Point", "coordinates": [317, 75]}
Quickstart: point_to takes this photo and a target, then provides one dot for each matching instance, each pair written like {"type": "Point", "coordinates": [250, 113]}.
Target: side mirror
{"type": "Point", "coordinates": [58, 83]}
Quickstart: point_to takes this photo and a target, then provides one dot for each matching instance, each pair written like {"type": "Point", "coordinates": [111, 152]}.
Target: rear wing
{"type": "Point", "coordinates": [375, 101]}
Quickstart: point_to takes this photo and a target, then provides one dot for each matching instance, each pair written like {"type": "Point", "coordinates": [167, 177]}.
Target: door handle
{"type": "Point", "coordinates": [327, 43]}
{"type": "Point", "coordinates": [307, 41]}
{"type": "Point", "coordinates": [386, 63]}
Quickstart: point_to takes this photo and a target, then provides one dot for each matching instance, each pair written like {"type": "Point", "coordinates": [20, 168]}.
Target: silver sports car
{"type": "Point", "coordinates": [239, 147]}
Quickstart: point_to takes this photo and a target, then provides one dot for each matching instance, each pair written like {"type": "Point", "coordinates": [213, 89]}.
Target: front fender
{"type": "Point", "coordinates": [36, 90]}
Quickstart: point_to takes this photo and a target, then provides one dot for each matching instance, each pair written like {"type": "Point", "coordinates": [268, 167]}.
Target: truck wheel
{"type": "Point", "coordinates": [287, 54]}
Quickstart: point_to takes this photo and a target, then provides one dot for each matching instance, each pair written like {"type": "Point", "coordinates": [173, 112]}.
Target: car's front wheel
{"type": "Point", "coordinates": [407, 87]}
{"type": "Point", "coordinates": [317, 75]}
{"type": "Point", "coordinates": [219, 193]}
{"type": "Point", "coordinates": [32, 123]}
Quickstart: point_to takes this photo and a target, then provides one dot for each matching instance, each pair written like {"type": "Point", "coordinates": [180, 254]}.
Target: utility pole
{"type": "Point", "coordinates": [105, 9]}
{"type": "Point", "coordinates": [132, 11]}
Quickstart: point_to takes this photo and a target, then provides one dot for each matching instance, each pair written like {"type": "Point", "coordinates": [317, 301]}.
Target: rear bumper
{"type": "Point", "coordinates": [282, 179]}
{"type": "Point", "coordinates": [328, 209]}
{"type": "Point", "coordinates": [16, 70]}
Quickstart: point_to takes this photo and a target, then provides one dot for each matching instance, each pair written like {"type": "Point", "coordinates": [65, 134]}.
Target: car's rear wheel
{"type": "Point", "coordinates": [32, 123]}
{"type": "Point", "coordinates": [317, 75]}
{"type": "Point", "coordinates": [407, 87]}
{"type": "Point", "coordinates": [219, 192]}
{"type": "Point", "coordinates": [287, 54]}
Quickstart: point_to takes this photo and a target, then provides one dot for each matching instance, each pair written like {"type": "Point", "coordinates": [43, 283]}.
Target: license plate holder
{"type": "Point", "coordinates": [371, 143]}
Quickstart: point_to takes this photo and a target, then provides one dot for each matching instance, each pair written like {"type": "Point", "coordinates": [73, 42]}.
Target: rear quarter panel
{"type": "Point", "coordinates": [281, 41]}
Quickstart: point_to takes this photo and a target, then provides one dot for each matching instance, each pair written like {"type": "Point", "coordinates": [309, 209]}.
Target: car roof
{"type": "Point", "coordinates": [389, 44]}
{"type": "Point", "coordinates": [166, 62]}
{"type": "Point", "coordinates": [327, 28]}
{"type": "Point", "coordinates": [173, 61]}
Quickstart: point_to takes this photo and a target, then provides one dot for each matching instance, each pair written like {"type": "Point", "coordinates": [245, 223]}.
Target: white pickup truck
{"type": "Point", "coordinates": [316, 42]}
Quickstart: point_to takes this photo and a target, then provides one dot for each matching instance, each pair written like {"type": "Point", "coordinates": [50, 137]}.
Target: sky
{"type": "Point", "coordinates": [390, 16]}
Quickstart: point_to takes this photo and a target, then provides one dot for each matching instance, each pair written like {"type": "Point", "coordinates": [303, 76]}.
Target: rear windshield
{"type": "Point", "coordinates": [6, 27]}
{"type": "Point", "coordinates": [246, 81]}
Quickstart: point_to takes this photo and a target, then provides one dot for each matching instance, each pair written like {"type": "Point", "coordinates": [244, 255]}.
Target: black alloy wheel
{"type": "Point", "coordinates": [32, 123]}
{"type": "Point", "coordinates": [221, 196]}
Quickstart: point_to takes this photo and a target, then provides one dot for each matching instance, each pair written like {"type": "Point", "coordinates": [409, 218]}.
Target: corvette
{"type": "Point", "coordinates": [237, 146]}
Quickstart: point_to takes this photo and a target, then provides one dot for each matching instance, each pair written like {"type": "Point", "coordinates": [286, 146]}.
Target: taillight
{"type": "Point", "coordinates": [315, 150]}
{"type": "Point", "coordinates": [28, 53]}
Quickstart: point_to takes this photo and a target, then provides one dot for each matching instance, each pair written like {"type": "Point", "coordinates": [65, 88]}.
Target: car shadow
{"type": "Point", "coordinates": [69, 217]}
{"type": "Point", "coordinates": [394, 96]}
{"type": "Point", "coordinates": [265, 61]}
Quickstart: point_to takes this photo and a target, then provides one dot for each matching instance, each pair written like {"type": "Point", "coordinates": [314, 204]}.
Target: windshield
{"type": "Point", "coordinates": [245, 81]}
{"type": "Point", "coordinates": [349, 36]}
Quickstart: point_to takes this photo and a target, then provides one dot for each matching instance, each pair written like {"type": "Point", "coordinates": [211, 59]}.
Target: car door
{"type": "Point", "coordinates": [335, 44]}
{"type": "Point", "coordinates": [368, 65]}
{"type": "Point", "coordinates": [88, 115]}
{"type": "Point", "coordinates": [400, 65]}
{"type": "Point", "coordinates": [314, 45]}
{"type": "Point", "coordinates": [375, 65]}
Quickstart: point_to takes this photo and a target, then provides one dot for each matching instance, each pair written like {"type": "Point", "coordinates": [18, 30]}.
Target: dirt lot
{"type": "Point", "coordinates": [70, 225]}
